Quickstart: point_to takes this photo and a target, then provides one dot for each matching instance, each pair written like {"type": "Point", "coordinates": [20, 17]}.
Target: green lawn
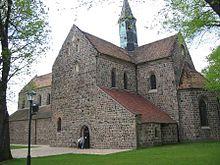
{"type": "Point", "coordinates": [14, 146]}
{"type": "Point", "coordinates": [204, 153]}
{"type": "Point", "coordinates": [17, 146]}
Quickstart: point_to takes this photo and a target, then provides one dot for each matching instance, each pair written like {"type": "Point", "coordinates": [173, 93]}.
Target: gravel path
{"type": "Point", "coordinates": [44, 150]}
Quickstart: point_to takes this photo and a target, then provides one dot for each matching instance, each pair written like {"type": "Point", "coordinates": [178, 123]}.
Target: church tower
{"type": "Point", "coordinates": [127, 28]}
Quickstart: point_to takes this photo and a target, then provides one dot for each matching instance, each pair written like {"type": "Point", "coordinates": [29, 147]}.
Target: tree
{"type": "Point", "coordinates": [212, 72]}
{"type": "Point", "coordinates": [192, 17]}
{"type": "Point", "coordinates": [23, 35]}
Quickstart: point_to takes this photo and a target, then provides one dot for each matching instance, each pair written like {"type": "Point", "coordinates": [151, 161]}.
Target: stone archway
{"type": "Point", "coordinates": [86, 136]}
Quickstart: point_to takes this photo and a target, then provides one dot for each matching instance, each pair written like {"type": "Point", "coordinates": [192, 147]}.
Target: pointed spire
{"type": "Point", "coordinates": [126, 12]}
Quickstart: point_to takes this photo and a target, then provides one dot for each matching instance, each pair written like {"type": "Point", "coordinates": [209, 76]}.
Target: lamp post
{"type": "Point", "coordinates": [33, 108]}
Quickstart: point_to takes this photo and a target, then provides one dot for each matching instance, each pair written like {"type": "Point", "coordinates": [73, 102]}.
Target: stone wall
{"type": "Point", "coordinates": [165, 96]}
{"type": "Point", "coordinates": [42, 134]}
{"type": "Point", "coordinates": [105, 64]}
{"type": "Point", "coordinates": [180, 55]}
{"type": "Point", "coordinates": [44, 91]}
{"type": "Point", "coordinates": [147, 135]}
{"type": "Point", "coordinates": [169, 133]}
{"type": "Point", "coordinates": [73, 84]}
{"type": "Point", "coordinates": [110, 125]}
{"type": "Point", "coordinates": [19, 132]}
{"type": "Point", "coordinates": [190, 127]}
{"type": "Point", "coordinates": [39, 131]}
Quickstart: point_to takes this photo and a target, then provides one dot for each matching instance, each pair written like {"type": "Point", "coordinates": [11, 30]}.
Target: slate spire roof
{"type": "Point", "coordinates": [126, 12]}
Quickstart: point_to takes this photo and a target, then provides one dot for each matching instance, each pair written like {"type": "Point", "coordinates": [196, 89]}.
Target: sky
{"type": "Point", "coordinates": [101, 21]}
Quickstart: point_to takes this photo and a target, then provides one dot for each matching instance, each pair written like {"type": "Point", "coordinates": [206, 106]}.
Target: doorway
{"type": "Point", "coordinates": [86, 137]}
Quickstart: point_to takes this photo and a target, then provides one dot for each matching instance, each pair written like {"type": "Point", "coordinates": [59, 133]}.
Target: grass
{"type": "Point", "coordinates": [14, 146]}
{"type": "Point", "coordinates": [17, 146]}
{"type": "Point", "coordinates": [203, 153]}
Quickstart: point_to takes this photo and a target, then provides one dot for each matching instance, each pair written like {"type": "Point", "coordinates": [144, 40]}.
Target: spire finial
{"type": "Point", "coordinates": [126, 12]}
{"type": "Point", "coordinates": [127, 28]}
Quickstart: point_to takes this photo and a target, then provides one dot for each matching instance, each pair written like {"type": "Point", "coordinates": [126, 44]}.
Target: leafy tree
{"type": "Point", "coordinates": [23, 35]}
{"type": "Point", "coordinates": [212, 72]}
{"type": "Point", "coordinates": [192, 17]}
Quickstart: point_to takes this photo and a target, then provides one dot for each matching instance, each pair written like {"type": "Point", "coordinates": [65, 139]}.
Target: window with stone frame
{"type": "Point", "coordinates": [203, 113]}
{"type": "Point", "coordinates": [48, 98]}
{"type": "Point", "coordinates": [59, 124]}
{"type": "Point", "coordinates": [156, 132]}
{"type": "Point", "coordinates": [39, 100]}
{"type": "Point", "coordinates": [77, 44]}
{"type": "Point", "coordinates": [77, 67]}
{"type": "Point", "coordinates": [23, 104]}
{"type": "Point", "coordinates": [113, 77]}
{"type": "Point", "coordinates": [125, 80]}
{"type": "Point", "coordinates": [153, 83]}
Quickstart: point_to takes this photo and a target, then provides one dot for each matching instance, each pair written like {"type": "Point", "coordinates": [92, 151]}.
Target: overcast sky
{"type": "Point", "coordinates": [101, 21]}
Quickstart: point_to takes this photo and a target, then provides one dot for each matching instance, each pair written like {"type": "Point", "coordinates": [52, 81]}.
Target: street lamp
{"type": "Point", "coordinates": [33, 109]}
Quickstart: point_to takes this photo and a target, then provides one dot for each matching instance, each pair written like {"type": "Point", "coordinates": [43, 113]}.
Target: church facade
{"type": "Point", "coordinates": [119, 97]}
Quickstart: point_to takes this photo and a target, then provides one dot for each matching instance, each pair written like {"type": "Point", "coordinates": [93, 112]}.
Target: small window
{"type": "Point", "coordinates": [125, 80]}
{"type": "Point", "coordinates": [23, 104]}
{"type": "Point", "coordinates": [153, 84]}
{"type": "Point", "coordinates": [203, 113]}
{"type": "Point", "coordinates": [77, 47]}
{"type": "Point", "coordinates": [39, 100]}
{"type": "Point", "coordinates": [77, 44]}
{"type": "Point", "coordinates": [59, 124]}
{"type": "Point", "coordinates": [77, 67]}
{"type": "Point", "coordinates": [156, 132]}
{"type": "Point", "coordinates": [48, 98]}
{"type": "Point", "coordinates": [113, 77]}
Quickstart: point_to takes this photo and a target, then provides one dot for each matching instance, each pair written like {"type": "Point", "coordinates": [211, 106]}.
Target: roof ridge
{"type": "Point", "coordinates": [172, 36]}
{"type": "Point", "coordinates": [121, 49]}
{"type": "Point", "coordinates": [137, 104]}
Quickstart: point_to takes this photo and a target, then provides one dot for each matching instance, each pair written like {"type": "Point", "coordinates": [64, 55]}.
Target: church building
{"type": "Point", "coordinates": [119, 97]}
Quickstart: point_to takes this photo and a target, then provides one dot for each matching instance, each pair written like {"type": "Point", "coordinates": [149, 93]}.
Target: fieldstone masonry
{"type": "Point", "coordinates": [78, 97]}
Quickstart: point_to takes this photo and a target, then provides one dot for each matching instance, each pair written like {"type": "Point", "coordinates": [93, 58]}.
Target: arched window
{"type": "Point", "coordinates": [153, 83]}
{"type": "Point", "coordinates": [125, 80]}
{"type": "Point", "coordinates": [203, 112]}
{"type": "Point", "coordinates": [39, 100]}
{"type": "Point", "coordinates": [48, 98]}
{"type": "Point", "coordinates": [77, 67]}
{"type": "Point", "coordinates": [59, 124]}
{"type": "Point", "coordinates": [113, 76]}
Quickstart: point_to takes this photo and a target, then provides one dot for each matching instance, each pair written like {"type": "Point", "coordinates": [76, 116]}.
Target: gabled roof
{"type": "Point", "coordinates": [137, 104]}
{"type": "Point", "coordinates": [155, 50]}
{"type": "Point", "coordinates": [42, 81]}
{"type": "Point", "coordinates": [39, 82]}
{"type": "Point", "coordinates": [43, 113]}
{"type": "Point", "coordinates": [152, 51]}
{"type": "Point", "coordinates": [107, 48]}
{"type": "Point", "coordinates": [190, 78]}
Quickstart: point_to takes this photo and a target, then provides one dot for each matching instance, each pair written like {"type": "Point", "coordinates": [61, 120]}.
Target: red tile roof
{"type": "Point", "coordinates": [152, 51]}
{"type": "Point", "coordinates": [108, 48]}
{"type": "Point", "coordinates": [190, 78]}
{"type": "Point", "coordinates": [137, 104]}
{"type": "Point", "coordinates": [155, 50]}
{"type": "Point", "coordinates": [42, 81]}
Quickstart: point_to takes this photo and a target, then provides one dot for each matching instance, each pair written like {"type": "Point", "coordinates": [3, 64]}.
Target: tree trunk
{"type": "Point", "coordinates": [5, 153]}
